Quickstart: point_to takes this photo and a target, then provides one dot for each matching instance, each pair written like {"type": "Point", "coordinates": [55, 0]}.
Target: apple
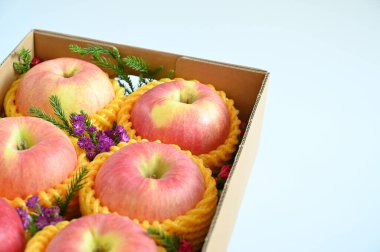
{"type": "Point", "coordinates": [149, 181]}
{"type": "Point", "coordinates": [12, 238]}
{"type": "Point", "coordinates": [102, 232]}
{"type": "Point", "coordinates": [34, 156]}
{"type": "Point", "coordinates": [79, 85]}
{"type": "Point", "coordinates": [186, 113]}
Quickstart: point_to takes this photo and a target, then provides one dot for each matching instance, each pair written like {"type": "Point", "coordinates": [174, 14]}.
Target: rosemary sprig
{"type": "Point", "coordinates": [23, 65]}
{"type": "Point", "coordinates": [58, 111]}
{"type": "Point", "coordinates": [170, 242]}
{"type": "Point", "coordinates": [101, 57]}
{"type": "Point", "coordinates": [76, 183]}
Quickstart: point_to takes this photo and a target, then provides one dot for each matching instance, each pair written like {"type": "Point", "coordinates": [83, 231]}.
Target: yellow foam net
{"type": "Point", "coordinates": [103, 119]}
{"type": "Point", "coordinates": [48, 197]}
{"type": "Point", "coordinates": [192, 226]}
{"type": "Point", "coordinates": [215, 158]}
{"type": "Point", "coordinates": [41, 239]}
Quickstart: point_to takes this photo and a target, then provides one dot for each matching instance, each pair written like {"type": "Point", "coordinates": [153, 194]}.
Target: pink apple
{"type": "Point", "coordinates": [186, 113]}
{"type": "Point", "coordinates": [34, 156]}
{"type": "Point", "coordinates": [149, 181]}
{"type": "Point", "coordinates": [77, 83]}
{"type": "Point", "coordinates": [12, 237]}
{"type": "Point", "coordinates": [102, 232]}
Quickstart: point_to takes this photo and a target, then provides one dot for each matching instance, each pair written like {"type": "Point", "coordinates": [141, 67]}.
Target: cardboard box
{"type": "Point", "coordinates": [247, 86]}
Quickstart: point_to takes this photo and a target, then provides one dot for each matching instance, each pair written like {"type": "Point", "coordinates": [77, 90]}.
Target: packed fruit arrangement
{"type": "Point", "coordinates": [89, 163]}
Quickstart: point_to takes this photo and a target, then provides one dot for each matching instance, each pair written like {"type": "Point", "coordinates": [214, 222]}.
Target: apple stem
{"type": "Point", "coordinates": [22, 145]}
{"type": "Point", "coordinates": [153, 176]}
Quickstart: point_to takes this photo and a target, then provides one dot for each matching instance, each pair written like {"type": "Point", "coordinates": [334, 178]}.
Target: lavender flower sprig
{"type": "Point", "coordinates": [36, 217]}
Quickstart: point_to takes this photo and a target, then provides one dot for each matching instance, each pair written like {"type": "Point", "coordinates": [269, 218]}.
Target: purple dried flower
{"type": "Point", "coordinates": [118, 134]}
{"type": "Point", "coordinates": [119, 129]}
{"type": "Point", "coordinates": [85, 143]}
{"type": "Point", "coordinates": [79, 124]}
{"type": "Point", "coordinates": [54, 220]}
{"type": "Point", "coordinates": [24, 217]}
{"type": "Point", "coordinates": [90, 148]}
{"type": "Point", "coordinates": [91, 129]}
{"type": "Point", "coordinates": [123, 137]}
{"type": "Point", "coordinates": [32, 202]}
{"type": "Point", "coordinates": [78, 118]}
{"type": "Point", "coordinates": [42, 221]}
{"type": "Point", "coordinates": [104, 142]}
{"type": "Point", "coordinates": [110, 133]}
{"type": "Point", "coordinates": [91, 154]}
{"type": "Point", "coordinates": [79, 128]}
{"type": "Point", "coordinates": [50, 211]}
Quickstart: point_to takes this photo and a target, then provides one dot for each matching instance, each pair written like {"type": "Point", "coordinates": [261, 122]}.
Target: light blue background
{"type": "Point", "coordinates": [315, 185]}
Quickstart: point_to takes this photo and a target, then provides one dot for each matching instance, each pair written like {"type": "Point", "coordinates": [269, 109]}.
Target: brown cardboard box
{"type": "Point", "coordinates": [247, 86]}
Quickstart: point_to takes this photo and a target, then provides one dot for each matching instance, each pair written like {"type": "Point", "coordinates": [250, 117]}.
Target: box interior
{"type": "Point", "coordinates": [246, 86]}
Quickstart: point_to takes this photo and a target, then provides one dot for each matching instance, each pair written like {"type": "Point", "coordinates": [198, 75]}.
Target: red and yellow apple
{"type": "Point", "coordinates": [186, 113]}
{"type": "Point", "coordinates": [79, 85]}
{"type": "Point", "coordinates": [12, 238]}
{"type": "Point", "coordinates": [102, 232]}
{"type": "Point", "coordinates": [34, 156]}
{"type": "Point", "coordinates": [149, 181]}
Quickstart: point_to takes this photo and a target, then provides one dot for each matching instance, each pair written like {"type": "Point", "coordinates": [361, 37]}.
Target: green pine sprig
{"type": "Point", "coordinates": [101, 56]}
{"type": "Point", "coordinates": [136, 64]}
{"type": "Point", "coordinates": [170, 242]}
{"type": "Point", "coordinates": [58, 111]}
{"type": "Point", "coordinates": [23, 65]}
{"type": "Point", "coordinates": [32, 228]}
{"type": "Point", "coordinates": [76, 183]}
{"type": "Point", "coordinates": [98, 56]}
{"type": "Point", "coordinates": [170, 74]}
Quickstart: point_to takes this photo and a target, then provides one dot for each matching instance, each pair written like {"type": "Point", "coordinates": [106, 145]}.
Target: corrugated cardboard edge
{"type": "Point", "coordinates": [16, 47]}
{"type": "Point", "coordinates": [230, 200]}
{"type": "Point", "coordinates": [6, 67]}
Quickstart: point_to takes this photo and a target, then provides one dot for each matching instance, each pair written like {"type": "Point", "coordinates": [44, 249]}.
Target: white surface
{"type": "Point", "coordinates": [315, 185]}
